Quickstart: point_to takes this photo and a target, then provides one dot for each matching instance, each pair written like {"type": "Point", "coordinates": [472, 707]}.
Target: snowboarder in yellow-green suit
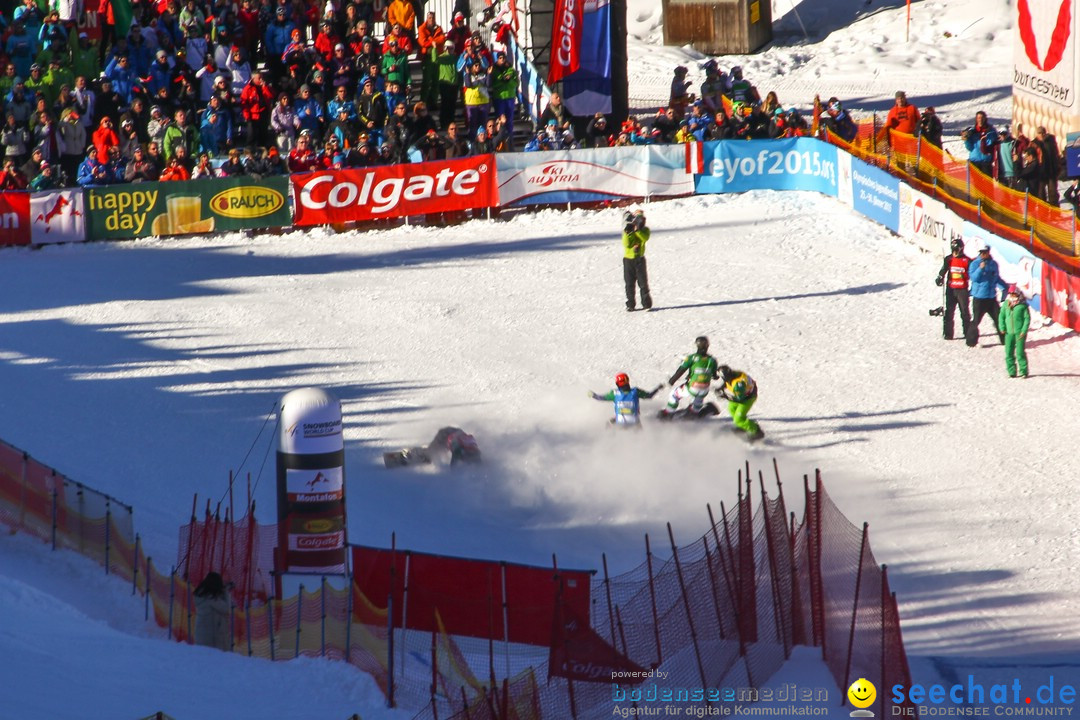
{"type": "Point", "coordinates": [740, 391]}
{"type": "Point", "coordinates": [1014, 319]}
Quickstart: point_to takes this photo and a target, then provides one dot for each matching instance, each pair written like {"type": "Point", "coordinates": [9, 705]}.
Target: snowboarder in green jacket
{"type": "Point", "coordinates": [1014, 319]}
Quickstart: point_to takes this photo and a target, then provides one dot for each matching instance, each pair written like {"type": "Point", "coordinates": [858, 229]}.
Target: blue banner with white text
{"type": "Point", "coordinates": [791, 164]}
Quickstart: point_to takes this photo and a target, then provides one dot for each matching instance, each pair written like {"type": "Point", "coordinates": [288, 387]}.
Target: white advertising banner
{"type": "Point", "coordinates": [549, 177]}
{"type": "Point", "coordinates": [1046, 66]}
{"type": "Point", "coordinates": [927, 222]}
{"type": "Point", "coordinates": [57, 216]}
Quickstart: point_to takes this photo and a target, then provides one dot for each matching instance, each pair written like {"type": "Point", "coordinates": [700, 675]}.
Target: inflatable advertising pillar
{"type": "Point", "coordinates": [310, 484]}
{"type": "Point", "coordinates": [1046, 65]}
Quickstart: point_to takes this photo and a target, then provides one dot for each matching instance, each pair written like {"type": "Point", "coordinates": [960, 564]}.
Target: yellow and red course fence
{"type": "Point", "coordinates": [1049, 232]}
{"type": "Point", "coordinates": [722, 612]}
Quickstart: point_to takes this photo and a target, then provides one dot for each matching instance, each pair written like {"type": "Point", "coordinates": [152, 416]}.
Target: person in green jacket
{"type": "Point", "coordinates": [635, 235]}
{"type": "Point", "coordinates": [1013, 320]}
{"type": "Point", "coordinates": [701, 369]}
{"type": "Point", "coordinates": [504, 91]}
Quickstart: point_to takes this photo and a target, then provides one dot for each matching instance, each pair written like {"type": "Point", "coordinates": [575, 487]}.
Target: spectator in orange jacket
{"type": "Point", "coordinates": [402, 11]}
{"type": "Point", "coordinates": [104, 138]}
{"type": "Point", "coordinates": [175, 170]}
{"type": "Point", "coordinates": [903, 117]}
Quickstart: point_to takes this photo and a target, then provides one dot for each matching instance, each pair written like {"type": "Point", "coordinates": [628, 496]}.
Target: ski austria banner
{"type": "Point", "coordinates": [1060, 297]}
{"type": "Point", "coordinates": [927, 222]}
{"type": "Point", "coordinates": [476, 598]}
{"type": "Point", "coordinates": [337, 196]}
{"type": "Point", "coordinates": [565, 39]}
{"type": "Point", "coordinates": [14, 218]}
{"type": "Point", "coordinates": [587, 90]}
{"type": "Point", "coordinates": [1015, 264]}
{"type": "Point", "coordinates": [186, 207]}
{"type": "Point", "coordinates": [593, 175]}
{"type": "Point", "coordinates": [57, 216]}
{"type": "Point", "coordinates": [791, 164]}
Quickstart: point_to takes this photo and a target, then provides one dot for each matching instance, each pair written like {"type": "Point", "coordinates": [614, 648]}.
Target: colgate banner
{"type": "Point", "coordinates": [565, 39]}
{"type": "Point", "coordinates": [395, 191]}
{"type": "Point", "coordinates": [1061, 297]}
{"type": "Point", "coordinates": [15, 218]}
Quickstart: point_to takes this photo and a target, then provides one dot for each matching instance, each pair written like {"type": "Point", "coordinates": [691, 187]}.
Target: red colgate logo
{"type": "Point", "coordinates": [384, 195]}
{"type": "Point", "coordinates": [569, 32]}
{"type": "Point", "coordinates": [565, 40]}
{"type": "Point", "coordinates": [1058, 40]}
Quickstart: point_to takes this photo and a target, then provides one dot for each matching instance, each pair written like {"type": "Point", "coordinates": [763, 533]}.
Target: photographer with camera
{"type": "Point", "coordinates": [635, 235]}
{"type": "Point", "coordinates": [954, 278]}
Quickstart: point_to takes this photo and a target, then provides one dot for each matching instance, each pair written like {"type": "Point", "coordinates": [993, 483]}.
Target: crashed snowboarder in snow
{"type": "Point", "coordinates": [740, 391]}
{"type": "Point", "coordinates": [451, 445]}
{"type": "Point", "coordinates": [626, 400]}
{"type": "Point", "coordinates": [701, 369]}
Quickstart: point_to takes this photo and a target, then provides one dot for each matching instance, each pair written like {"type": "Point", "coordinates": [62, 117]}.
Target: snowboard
{"type": "Point", "coordinates": [408, 456]}
{"type": "Point", "coordinates": [747, 437]}
{"type": "Point", "coordinates": [689, 414]}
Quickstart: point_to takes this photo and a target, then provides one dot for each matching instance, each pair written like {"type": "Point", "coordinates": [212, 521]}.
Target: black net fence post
{"type": "Point", "coordinates": [854, 612]}
{"type": "Point", "coordinates": [686, 606]}
{"type": "Point", "coordinates": [652, 600]}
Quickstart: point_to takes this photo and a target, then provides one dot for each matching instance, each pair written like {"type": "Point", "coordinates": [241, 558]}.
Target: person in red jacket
{"type": "Point", "coordinates": [104, 138]}
{"type": "Point", "coordinates": [302, 158]}
{"type": "Point", "coordinates": [256, 103]}
{"type": "Point", "coordinates": [903, 116]}
{"type": "Point", "coordinates": [954, 277]}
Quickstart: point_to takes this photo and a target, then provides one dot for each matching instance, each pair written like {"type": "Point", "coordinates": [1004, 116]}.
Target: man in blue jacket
{"type": "Point", "coordinates": [985, 280]}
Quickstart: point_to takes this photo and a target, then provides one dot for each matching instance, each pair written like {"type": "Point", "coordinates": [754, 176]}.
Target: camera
{"type": "Point", "coordinates": [937, 312]}
{"type": "Point", "coordinates": [629, 227]}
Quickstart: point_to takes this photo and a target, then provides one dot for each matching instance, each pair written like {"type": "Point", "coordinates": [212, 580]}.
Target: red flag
{"type": "Point", "coordinates": [565, 39]}
{"type": "Point", "coordinates": [578, 653]}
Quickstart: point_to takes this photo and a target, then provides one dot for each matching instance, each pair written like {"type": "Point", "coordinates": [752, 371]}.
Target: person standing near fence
{"type": "Point", "coordinates": [1051, 165]}
{"type": "Point", "coordinates": [1014, 320]}
{"type": "Point", "coordinates": [212, 612]}
{"type": "Point", "coordinates": [984, 284]}
{"type": "Point", "coordinates": [954, 277]}
{"type": "Point", "coordinates": [981, 141]}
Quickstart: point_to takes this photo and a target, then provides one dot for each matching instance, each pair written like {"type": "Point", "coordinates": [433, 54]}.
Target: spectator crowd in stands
{"type": "Point", "coordinates": [202, 88]}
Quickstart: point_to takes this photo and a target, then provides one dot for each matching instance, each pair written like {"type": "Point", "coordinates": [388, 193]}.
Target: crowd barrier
{"type": "Point", "coordinates": [911, 187]}
{"type": "Point", "coordinates": [722, 612]}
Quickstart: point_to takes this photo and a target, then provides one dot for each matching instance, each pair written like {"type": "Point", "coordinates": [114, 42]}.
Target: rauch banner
{"type": "Point", "coordinates": [184, 208]}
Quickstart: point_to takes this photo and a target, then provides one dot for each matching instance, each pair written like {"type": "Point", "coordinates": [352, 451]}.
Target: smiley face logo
{"type": "Point", "coordinates": [862, 693]}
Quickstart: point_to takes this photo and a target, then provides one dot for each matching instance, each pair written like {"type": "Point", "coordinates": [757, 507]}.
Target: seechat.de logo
{"type": "Point", "coordinates": [862, 694]}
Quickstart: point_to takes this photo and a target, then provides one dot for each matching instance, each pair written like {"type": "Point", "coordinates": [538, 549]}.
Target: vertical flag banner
{"type": "Point", "coordinates": [565, 39]}
{"type": "Point", "coordinates": [588, 90]}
